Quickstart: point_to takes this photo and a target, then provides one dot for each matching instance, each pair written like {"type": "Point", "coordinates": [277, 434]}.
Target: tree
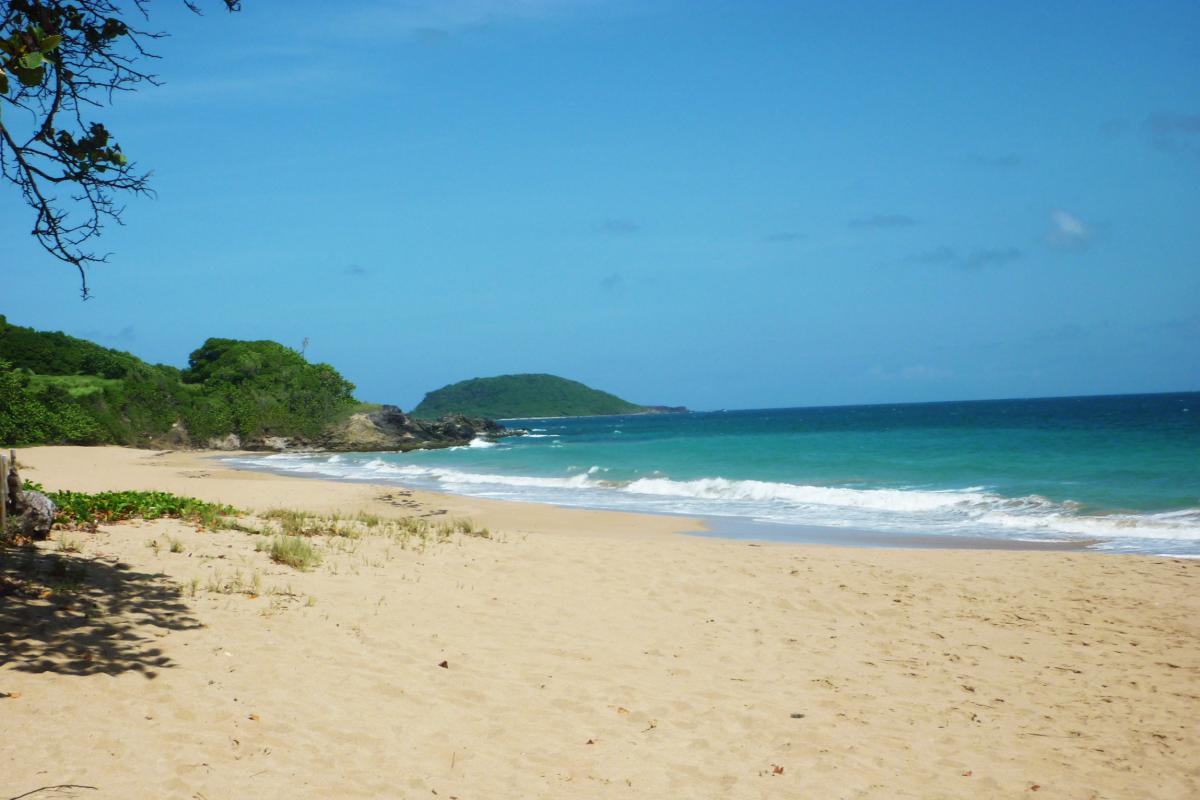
{"type": "Point", "coordinates": [59, 62]}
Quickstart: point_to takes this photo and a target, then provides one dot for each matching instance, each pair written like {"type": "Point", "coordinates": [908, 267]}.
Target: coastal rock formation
{"type": "Point", "coordinates": [230, 442]}
{"type": "Point", "coordinates": [384, 428]}
{"type": "Point", "coordinates": [389, 428]}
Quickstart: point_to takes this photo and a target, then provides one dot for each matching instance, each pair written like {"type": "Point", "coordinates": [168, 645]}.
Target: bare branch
{"type": "Point", "coordinates": [59, 61]}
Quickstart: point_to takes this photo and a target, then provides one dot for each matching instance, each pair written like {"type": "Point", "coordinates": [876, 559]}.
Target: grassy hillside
{"type": "Point", "coordinates": [57, 389]}
{"type": "Point", "coordinates": [508, 396]}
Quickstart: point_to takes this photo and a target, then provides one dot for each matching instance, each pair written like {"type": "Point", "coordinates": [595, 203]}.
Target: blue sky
{"type": "Point", "coordinates": [718, 204]}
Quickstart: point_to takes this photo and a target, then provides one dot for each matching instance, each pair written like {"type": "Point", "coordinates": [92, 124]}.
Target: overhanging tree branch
{"type": "Point", "coordinates": [58, 60]}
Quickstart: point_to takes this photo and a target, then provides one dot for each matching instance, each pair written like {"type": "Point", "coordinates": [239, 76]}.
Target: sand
{"type": "Point", "coordinates": [586, 654]}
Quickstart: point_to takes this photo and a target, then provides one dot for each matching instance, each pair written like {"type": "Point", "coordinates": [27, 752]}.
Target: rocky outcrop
{"type": "Point", "coordinates": [30, 514]}
{"type": "Point", "coordinates": [228, 442]}
{"type": "Point", "coordinates": [389, 428]}
{"type": "Point", "coordinates": [34, 517]}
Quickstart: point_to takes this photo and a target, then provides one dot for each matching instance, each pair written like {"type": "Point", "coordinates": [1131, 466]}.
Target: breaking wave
{"type": "Point", "coordinates": [973, 510]}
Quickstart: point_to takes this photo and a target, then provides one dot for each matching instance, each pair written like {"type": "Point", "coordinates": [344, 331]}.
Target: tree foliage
{"type": "Point", "coordinates": [59, 63]}
{"type": "Point", "coordinates": [265, 389]}
{"type": "Point", "coordinates": [57, 389]}
{"type": "Point", "coordinates": [31, 416]}
{"type": "Point", "coordinates": [59, 354]}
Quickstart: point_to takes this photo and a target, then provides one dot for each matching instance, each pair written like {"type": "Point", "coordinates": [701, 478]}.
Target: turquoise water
{"type": "Point", "coordinates": [1122, 473]}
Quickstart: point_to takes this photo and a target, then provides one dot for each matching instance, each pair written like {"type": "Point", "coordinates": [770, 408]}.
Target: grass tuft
{"type": "Point", "coordinates": [294, 552]}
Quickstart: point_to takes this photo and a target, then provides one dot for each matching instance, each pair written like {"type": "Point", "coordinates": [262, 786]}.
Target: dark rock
{"type": "Point", "coordinates": [32, 517]}
{"type": "Point", "coordinates": [385, 428]}
{"type": "Point", "coordinates": [389, 428]}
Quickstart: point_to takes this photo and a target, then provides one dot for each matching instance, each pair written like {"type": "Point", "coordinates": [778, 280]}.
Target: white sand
{"type": "Point", "coordinates": [589, 655]}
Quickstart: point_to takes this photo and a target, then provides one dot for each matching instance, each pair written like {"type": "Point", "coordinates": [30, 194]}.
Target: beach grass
{"type": "Point", "coordinates": [295, 552]}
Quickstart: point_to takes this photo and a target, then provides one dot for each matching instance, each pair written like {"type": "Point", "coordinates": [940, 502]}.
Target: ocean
{"type": "Point", "coordinates": [1112, 473]}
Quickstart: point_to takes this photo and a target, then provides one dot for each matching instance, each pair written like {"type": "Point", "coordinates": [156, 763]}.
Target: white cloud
{"type": "Point", "coordinates": [1067, 230]}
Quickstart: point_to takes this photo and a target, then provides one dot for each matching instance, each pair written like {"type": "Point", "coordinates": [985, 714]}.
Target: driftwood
{"type": "Point", "coordinates": [26, 514]}
{"type": "Point", "coordinates": [3, 493]}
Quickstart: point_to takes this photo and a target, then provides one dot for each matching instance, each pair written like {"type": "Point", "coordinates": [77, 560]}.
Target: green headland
{"type": "Point", "coordinates": [525, 395]}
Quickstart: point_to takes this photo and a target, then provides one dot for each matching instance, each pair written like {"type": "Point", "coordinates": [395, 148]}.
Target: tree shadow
{"type": "Point", "coordinates": [64, 613]}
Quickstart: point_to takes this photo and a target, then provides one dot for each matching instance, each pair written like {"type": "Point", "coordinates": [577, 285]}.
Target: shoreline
{"type": "Point", "coordinates": [573, 653]}
{"type": "Point", "coordinates": [740, 529]}
{"type": "Point", "coordinates": [202, 474]}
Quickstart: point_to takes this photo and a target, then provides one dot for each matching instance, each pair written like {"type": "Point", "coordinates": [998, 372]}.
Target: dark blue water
{"type": "Point", "coordinates": [1123, 472]}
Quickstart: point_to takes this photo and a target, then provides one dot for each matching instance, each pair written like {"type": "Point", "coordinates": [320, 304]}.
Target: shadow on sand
{"type": "Point", "coordinates": [72, 615]}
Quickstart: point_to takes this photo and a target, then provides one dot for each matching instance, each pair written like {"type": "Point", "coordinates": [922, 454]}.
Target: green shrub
{"type": "Point", "coordinates": [82, 509]}
{"type": "Point", "coordinates": [48, 414]}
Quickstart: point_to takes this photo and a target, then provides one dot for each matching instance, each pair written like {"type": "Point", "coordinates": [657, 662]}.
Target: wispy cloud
{"type": "Point", "coordinates": [124, 336]}
{"type": "Point", "coordinates": [433, 21]}
{"type": "Point", "coordinates": [1112, 128]}
{"type": "Point", "coordinates": [1063, 334]}
{"type": "Point", "coordinates": [619, 226]}
{"type": "Point", "coordinates": [993, 257]}
{"type": "Point", "coordinates": [269, 84]}
{"type": "Point", "coordinates": [783, 237]}
{"type": "Point", "coordinates": [1175, 123]}
{"type": "Point", "coordinates": [1175, 133]}
{"type": "Point", "coordinates": [938, 255]}
{"type": "Point", "coordinates": [883, 221]}
{"type": "Point", "coordinates": [972, 260]}
{"type": "Point", "coordinates": [612, 282]}
{"type": "Point", "coordinates": [1006, 161]}
{"type": "Point", "coordinates": [1067, 231]}
{"type": "Point", "coordinates": [914, 372]}
{"type": "Point", "coordinates": [431, 37]}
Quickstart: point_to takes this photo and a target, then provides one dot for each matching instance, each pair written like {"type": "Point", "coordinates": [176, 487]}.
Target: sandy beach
{"type": "Point", "coordinates": [574, 653]}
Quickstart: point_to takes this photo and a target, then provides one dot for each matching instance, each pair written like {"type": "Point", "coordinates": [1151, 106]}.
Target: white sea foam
{"type": "Point", "coordinates": [766, 491]}
{"type": "Point", "coordinates": [480, 442]}
{"type": "Point", "coordinates": [970, 510]}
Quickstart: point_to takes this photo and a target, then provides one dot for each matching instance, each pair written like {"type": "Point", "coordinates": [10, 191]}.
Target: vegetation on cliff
{"type": "Point", "coordinates": [57, 389]}
{"type": "Point", "coordinates": [512, 396]}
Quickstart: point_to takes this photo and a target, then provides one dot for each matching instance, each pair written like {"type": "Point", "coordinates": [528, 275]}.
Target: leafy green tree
{"type": "Point", "coordinates": [59, 62]}
{"type": "Point", "coordinates": [263, 389]}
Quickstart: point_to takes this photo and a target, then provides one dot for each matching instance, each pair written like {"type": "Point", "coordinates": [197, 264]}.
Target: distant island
{"type": "Point", "coordinates": [527, 395]}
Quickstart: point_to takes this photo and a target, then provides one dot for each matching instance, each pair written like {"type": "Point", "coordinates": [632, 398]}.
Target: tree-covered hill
{"type": "Point", "coordinates": [57, 389]}
{"type": "Point", "coordinates": [512, 396]}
